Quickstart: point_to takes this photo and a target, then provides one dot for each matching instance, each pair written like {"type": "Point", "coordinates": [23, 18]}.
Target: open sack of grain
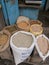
{"type": "Point", "coordinates": [36, 29]}
{"type": "Point", "coordinates": [23, 23]}
{"type": "Point", "coordinates": [42, 46]}
{"type": "Point", "coordinates": [11, 29]}
{"type": "Point", "coordinates": [22, 44]}
{"type": "Point", "coordinates": [32, 22]}
{"type": "Point", "coordinates": [4, 40]}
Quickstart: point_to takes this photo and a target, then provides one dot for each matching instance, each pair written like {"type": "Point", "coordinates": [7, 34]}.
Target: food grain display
{"type": "Point", "coordinates": [43, 44]}
{"type": "Point", "coordinates": [23, 23]}
{"type": "Point", "coordinates": [11, 29]}
{"type": "Point", "coordinates": [22, 18]}
{"type": "Point", "coordinates": [22, 40]}
{"type": "Point", "coordinates": [3, 39]}
{"type": "Point", "coordinates": [22, 44]}
{"type": "Point", "coordinates": [36, 29]}
{"type": "Point", "coordinates": [35, 22]}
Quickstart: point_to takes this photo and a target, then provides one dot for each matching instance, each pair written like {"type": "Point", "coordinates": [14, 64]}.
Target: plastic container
{"type": "Point", "coordinates": [21, 54]}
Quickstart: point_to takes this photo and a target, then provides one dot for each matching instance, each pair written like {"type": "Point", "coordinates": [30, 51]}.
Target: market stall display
{"type": "Point", "coordinates": [35, 22]}
{"type": "Point", "coordinates": [23, 46]}
{"type": "Point", "coordinates": [36, 29]}
{"type": "Point", "coordinates": [42, 46]}
{"type": "Point", "coordinates": [11, 29]}
{"type": "Point", "coordinates": [4, 40]}
{"type": "Point", "coordinates": [23, 23]}
{"type": "Point", "coordinates": [24, 36]}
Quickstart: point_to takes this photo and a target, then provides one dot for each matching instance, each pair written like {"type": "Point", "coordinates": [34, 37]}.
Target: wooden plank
{"type": "Point", "coordinates": [31, 6]}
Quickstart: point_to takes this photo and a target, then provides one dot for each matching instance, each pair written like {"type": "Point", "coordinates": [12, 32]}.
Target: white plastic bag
{"type": "Point", "coordinates": [20, 54]}
{"type": "Point", "coordinates": [40, 53]}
